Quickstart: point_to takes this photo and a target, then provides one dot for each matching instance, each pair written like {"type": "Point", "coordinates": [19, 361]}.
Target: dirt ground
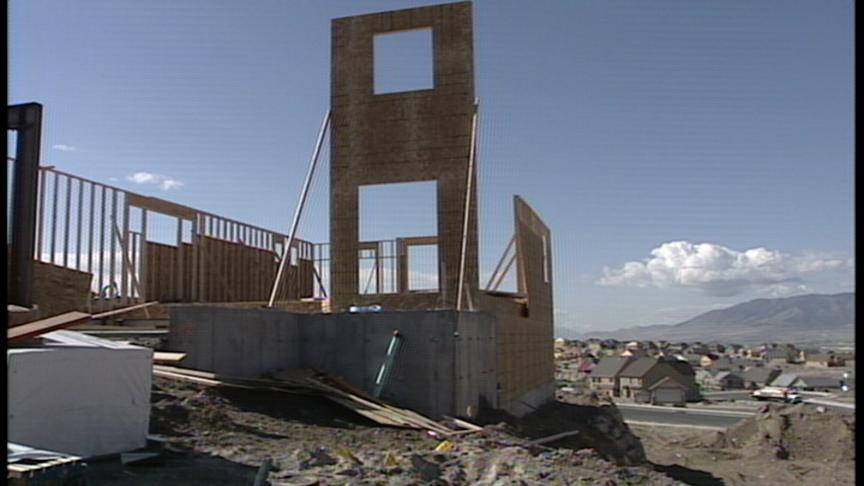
{"type": "Point", "coordinates": [222, 436]}
{"type": "Point", "coordinates": [820, 449]}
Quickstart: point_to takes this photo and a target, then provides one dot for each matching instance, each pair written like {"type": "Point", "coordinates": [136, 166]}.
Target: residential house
{"type": "Point", "coordinates": [819, 383]}
{"type": "Point", "coordinates": [585, 366]}
{"type": "Point", "coordinates": [694, 359]}
{"type": "Point", "coordinates": [634, 353]}
{"type": "Point", "coordinates": [823, 360]}
{"type": "Point", "coordinates": [605, 376]}
{"type": "Point", "coordinates": [727, 380]}
{"type": "Point", "coordinates": [667, 391]}
{"type": "Point", "coordinates": [759, 376]}
{"type": "Point", "coordinates": [777, 356]}
{"type": "Point", "coordinates": [716, 362]}
{"type": "Point", "coordinates": [785, 380]}
{"type": "Point", "coordinates": [638, 376]}
{"type": "Point", "coordinates": [687, 378]}
{"type": "Point", "coordinates": [704, 378]}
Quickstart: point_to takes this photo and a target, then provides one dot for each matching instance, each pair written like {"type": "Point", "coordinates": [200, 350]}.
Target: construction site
{"type": "Point", "coordinates": [229, 353]}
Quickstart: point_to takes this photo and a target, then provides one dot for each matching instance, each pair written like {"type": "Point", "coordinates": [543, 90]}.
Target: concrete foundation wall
{"type": "Point", "coordinates": [446, 365]}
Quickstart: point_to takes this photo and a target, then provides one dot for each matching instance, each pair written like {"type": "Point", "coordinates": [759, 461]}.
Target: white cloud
{"type": "Point", "coordinates": [164, 182]}
{"type": "Point", "coordinates": [720, 271]}
{"type": "Point", "coordinates": [64, 148]}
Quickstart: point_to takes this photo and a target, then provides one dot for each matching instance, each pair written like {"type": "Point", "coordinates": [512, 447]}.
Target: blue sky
{"type": "Point", "coordinates": [660, 140]}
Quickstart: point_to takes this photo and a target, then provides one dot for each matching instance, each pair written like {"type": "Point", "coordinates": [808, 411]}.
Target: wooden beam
{"type": "Point", "coordinates": [163, 357]}
{"type": "Point", "coordinates": [501, 262]}
{"type": "Point", "coordinates": [42, 326]}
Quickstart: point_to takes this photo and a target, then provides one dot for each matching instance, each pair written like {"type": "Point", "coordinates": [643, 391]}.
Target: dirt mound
{"type": "Point", "coordinates": [600, 427]}
{"type": "Point", "coordinates": [794, 432]}
{"type": "Point", "coordinates": [309, 440]}
{"type": "Point", "coordinates": [492, 456]}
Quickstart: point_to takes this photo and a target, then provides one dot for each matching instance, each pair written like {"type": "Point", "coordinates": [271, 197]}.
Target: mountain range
{"type": "Point", "coordinates": [810, 318]}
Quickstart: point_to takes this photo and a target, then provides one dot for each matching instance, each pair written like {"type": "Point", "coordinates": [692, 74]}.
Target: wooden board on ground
{"type": "Point", "coordinates": [163, 357]}
{"type": "Point", "coordinates": [305, 382]}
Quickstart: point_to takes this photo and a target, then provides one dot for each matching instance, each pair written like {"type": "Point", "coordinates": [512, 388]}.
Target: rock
{"type": "Point", "coordinates": [428, 471]}
{"type": "Point", "coordinates": [320, 457]}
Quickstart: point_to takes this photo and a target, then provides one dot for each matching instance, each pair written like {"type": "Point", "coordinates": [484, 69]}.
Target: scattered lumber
{"type": "Point", "coordinates": [62, 321]}
{"type": "Point", "coordinates": [124, 310]}
{"type": "Point", "coordinates": [163, 357]}
{"type": "Point", "coordinates": [553, 438]}
{"type": "Point", "coordinates": [319, 385]}
{"type": "Point", "coordinates": [26, 465]}
{"type": "Point", "coordinates": [42, 326]}
{"type": "Point", "coordinates": [465, 424]}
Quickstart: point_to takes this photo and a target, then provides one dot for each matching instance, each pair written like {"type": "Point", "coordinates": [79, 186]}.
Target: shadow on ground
{"type": "Point", "coordinates": [170, 468]}
{"type": "Point", "coordinates": [693, 477]}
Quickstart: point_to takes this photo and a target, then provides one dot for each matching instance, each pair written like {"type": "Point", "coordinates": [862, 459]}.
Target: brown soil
{"type": "Point", "coordinates": [814, 448]}
{"type": "Point", "coordinates": [222, 436]}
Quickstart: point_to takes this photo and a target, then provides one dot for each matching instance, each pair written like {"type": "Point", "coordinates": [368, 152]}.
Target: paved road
{"type": "Point", "coordinates": [745, 395]}
{"type": "Point", "coordinates": [687, 417]}
{"type": "Point", "coordinates": [813, 398]}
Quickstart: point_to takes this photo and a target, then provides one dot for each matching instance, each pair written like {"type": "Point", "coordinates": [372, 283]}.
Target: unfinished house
{"type": "Point", "coordinates": [353, 307]}
{"type": "Point", "coordinates": [462, 347]}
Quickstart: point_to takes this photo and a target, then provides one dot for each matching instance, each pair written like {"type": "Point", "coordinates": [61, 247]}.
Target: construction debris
{"type": "Point", "coordinates": [162, 357]}
{"type": "Point", "coordinates": [26, 465]}
{"type": "Point", "coordinates": [307, 382]}
{"type": "Point", "coordinates": [62, 321]}
{"type": "Point", "coordinates": [311, 441]}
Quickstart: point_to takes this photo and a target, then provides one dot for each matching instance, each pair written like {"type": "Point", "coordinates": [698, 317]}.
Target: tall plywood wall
{"type": "Point", "coordinates": [399, 137]}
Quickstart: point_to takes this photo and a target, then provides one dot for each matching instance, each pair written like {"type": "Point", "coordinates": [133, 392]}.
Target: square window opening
{"type": "Point", "coordinates": [403, 61]}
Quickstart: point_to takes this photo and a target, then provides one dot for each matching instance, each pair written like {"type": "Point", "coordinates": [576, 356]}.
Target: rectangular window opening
{"type": "Point", "coordinates": [423, 268]}
{"type": "Point", "coordinates": [387, 213]}
{"type": "Point", "coordinates": [403, 61]}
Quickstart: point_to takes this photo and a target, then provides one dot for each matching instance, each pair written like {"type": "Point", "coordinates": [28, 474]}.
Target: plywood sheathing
{"type": "Point", "coordinates": [525, 330]}
{"type": "Point", "coordinates": [402, 137]}
{"type": "Point", "coordinates": [228, 272]}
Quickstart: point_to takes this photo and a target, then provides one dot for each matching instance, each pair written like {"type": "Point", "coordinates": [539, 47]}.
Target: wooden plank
{"type": "Point", "coordinates": [166, 357]}
{"type": "Point", "coordinates": [42, 326]}
{"type": "Point", "coordinates": [553, 438]}
{"type": "Point", "coordinates": [160, 206]}
{"type": "Point", "coordinates": [124, 310]}
{"type": "Point", "coordinates": [378, 412]}
{"type": "Point", "coordinates": [465, 424]}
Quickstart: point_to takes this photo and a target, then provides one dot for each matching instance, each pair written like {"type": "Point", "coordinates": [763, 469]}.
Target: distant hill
{"type": "Point", "coordinates": [799, 319]}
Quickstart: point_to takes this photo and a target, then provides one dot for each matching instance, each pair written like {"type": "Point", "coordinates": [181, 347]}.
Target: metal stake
{"type": "Point", "coordinates": [286, 249]}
